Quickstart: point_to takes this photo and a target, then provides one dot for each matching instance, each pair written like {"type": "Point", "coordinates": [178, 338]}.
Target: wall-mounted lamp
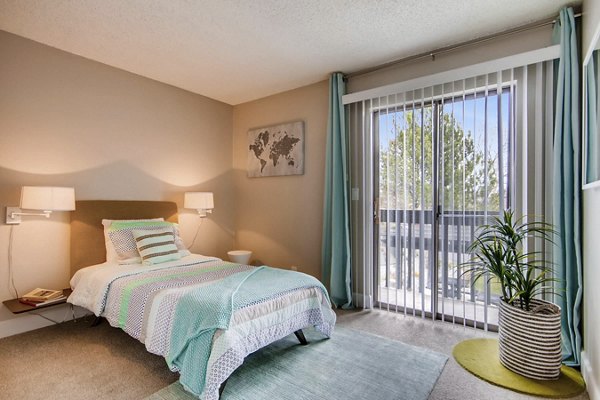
{"type": "Point", "coordinates": [44, 199]}
{"type": "Point", "coordinates": [203, 202]}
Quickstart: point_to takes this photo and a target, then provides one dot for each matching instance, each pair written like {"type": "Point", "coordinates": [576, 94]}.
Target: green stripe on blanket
{"type": "Point", "coordinates": [128, 290]}
{"type": "Point", "coordinates": [202, 311]}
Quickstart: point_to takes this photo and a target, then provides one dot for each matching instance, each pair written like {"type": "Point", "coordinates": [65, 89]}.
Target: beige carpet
{"type": "Point", "coordinates": [74, 361]}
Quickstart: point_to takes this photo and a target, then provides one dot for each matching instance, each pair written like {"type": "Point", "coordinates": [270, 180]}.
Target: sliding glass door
{"type": "Point", "coordinates": [442, 169]}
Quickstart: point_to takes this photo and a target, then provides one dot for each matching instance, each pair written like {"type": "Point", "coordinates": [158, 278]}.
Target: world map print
{"type": "Point", "coordinates": [276, 150]}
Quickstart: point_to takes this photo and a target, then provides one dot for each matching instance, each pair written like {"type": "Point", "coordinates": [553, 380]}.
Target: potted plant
{"type": "Point", "coordinates": [529, 328]}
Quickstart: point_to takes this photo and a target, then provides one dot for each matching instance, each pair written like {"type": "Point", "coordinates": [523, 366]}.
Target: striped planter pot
{"type": "Point", "coordinates": [530, 340]}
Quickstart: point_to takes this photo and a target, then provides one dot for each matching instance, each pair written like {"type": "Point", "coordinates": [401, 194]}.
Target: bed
{"type": "Point", "coordinates": [202, 314]}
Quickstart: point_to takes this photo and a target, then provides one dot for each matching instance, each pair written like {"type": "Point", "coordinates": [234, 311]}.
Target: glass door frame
{"type": "Point", "coordinates": [436, 104]}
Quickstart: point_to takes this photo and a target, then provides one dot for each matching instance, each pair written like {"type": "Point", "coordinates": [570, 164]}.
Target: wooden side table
{"type": "Point", "coordinates": [16, 307]}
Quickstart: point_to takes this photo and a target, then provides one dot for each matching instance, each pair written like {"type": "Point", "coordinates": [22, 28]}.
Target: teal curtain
{"type": "Point", "coordinates": [567, 187]}
{"type": "Point", "coordinates": [336, 262]}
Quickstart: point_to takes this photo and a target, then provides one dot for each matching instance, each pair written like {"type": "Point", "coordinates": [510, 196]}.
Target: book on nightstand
{"type": "Point", "coordinates": [42, 295]}
{"type": "Point", "coordinates": [42, 303]}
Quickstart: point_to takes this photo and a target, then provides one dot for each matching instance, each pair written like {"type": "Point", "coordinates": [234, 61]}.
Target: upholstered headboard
{"type": "Point", "coordinates": [87, 233]}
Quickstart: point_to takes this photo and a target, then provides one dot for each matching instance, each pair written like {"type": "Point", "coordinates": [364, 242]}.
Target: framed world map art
{"type": "Point", "coordinates": [276, 150]}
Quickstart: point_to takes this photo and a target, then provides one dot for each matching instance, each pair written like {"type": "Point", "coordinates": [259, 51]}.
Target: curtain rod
{"type": "Point", "coordinates": [447, 49]}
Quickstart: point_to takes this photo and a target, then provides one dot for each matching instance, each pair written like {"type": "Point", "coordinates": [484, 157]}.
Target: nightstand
{"type": "Point", "coordinates": [16, 307]}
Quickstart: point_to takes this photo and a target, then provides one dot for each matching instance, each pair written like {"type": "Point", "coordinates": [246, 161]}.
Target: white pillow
{"type": "Point", "coordinates": [111, 253]}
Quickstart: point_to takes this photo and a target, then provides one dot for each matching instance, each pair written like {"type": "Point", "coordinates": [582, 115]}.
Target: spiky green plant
{"type": "Point", "coordinates": [497, 252]}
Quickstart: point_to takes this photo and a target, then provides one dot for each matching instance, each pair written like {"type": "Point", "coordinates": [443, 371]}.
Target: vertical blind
{"type": "Point", "coordinates": [429, 166]}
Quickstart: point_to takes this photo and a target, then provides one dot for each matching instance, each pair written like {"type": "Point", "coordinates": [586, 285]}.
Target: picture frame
{"type": "Point", "coordinates": [276, 150]}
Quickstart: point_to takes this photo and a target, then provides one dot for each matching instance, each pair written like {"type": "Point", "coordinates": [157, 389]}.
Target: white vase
{"type": "Point", "coordinates": [240, 256]}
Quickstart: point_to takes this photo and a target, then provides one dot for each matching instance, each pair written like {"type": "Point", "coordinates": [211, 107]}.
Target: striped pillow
{"type": "Point", "coordinates": [124, 243]}
{"type": "Point", "coordinates": [156, 245]}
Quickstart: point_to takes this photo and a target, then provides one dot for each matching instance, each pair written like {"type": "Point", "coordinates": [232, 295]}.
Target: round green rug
{"type": "Point", "coordinates": [480, 357]}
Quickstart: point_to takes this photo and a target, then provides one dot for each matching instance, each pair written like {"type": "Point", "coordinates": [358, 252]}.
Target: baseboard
{"type": "Point", "coordinates": [30, 321]}
{"type": "Point", "coordinates": [590, 376]}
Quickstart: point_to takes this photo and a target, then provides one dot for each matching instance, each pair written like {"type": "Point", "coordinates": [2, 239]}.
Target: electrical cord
{"type": "Point", "coordinates": [70, 310]}
{"type": "Point", "coordinates": [11, 275]}
{"type": "Point", "coordinates": [196, 235]}
{"type": "Point", "coordinates": [57, 322]}
{"type": "Point", "coordinates": [49, 319]}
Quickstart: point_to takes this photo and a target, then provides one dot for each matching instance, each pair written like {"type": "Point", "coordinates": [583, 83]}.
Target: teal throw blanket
{"type": "Point", "coordinates": [208, 308]}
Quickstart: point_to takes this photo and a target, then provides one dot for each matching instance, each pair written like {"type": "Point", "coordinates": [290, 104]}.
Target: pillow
{"type": "Point", "coordinates": [120, 234]}
{"type": "Point", "coordinates": [111, 254]}
{"type": "Point", "coordinates": [156, 246]}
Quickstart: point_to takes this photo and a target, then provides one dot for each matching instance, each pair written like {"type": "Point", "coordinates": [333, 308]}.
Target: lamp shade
{"type": "Point", "coordinates": [48, 198]}
{"type": "Point", "coordinates": [199, 200]}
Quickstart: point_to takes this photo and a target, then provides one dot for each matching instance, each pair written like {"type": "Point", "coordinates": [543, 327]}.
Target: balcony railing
{"type": "Point", "coordinates": [406, 244]}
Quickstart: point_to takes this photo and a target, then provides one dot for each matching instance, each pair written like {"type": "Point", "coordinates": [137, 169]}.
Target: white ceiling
{"type": "Point", "coordinates": [240, 50]}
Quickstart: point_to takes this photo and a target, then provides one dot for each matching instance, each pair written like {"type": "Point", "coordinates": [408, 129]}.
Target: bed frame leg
{"type": "Point", "coordinates": [222, 387]}
{"type": "Point", "coordinates": [96, 322]}
{"type": "Point", "coordinates": [299, 334]}
{"type": "Point", "coordinates": [301, 338]}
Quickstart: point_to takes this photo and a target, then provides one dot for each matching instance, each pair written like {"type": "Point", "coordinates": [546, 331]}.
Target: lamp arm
{"type": "Point", "coordinates": [203, 211]}
{"type": "Point", "coordinates": [42, 213]}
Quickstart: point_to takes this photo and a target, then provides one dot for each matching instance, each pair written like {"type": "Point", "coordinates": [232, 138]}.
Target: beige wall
{"type": "Point", "coordinates": [591, 256]}
{"type": "Point", "coordinates": [66, 120]}
{"type": "Point", "coordinates": [280, 218]}
{"type": "Point", "coordinates": [469, 55]}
